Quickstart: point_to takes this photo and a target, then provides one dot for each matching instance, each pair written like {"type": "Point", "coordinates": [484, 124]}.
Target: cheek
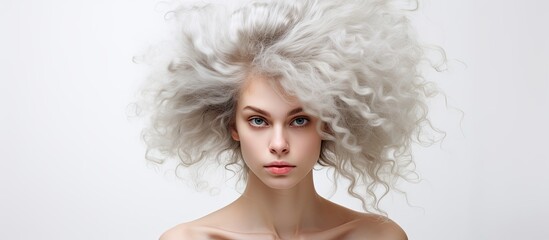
{"type": "Point", "coordinates": [252, 145]}
{"type": "Point", "coordinates": [249, 148]}
{"type": "Point", "coordinates": [308, 145]}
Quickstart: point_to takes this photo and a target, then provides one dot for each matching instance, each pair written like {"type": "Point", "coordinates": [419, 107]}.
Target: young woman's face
{"type": "Point", "coordinates": [278, 141]}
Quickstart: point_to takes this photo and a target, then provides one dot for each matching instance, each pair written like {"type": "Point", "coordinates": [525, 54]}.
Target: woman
{"type": "Point", "coordinates": [275, 87]}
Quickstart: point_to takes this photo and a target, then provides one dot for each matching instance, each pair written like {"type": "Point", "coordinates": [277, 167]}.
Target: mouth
{"type": "Point", "coordinates": [279, 168]}
{"type": "Point", "coordinates": [279, 164]}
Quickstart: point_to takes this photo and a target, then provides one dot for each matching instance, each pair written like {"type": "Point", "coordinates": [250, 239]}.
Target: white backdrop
{"type": "Point", "coordinates": [72, 164]}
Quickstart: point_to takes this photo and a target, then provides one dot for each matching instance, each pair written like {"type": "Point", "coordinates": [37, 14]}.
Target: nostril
{"type": "Point", "coordinates": [279, 150]}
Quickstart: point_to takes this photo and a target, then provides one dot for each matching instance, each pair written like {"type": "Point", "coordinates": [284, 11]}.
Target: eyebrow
{"type": "Point", "coordinates": [261, 111]}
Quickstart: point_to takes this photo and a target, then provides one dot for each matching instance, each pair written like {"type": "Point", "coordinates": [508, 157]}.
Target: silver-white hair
{"type": "Point", "coordinates": [354, 64]}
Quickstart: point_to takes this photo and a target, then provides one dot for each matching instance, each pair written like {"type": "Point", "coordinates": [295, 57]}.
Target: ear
{"type": "Point", "coordinates": [234, 133]}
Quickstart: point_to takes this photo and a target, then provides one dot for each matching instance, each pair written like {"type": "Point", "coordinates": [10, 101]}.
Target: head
{"type": "Point", "coordinates": [279, 141]}
{"type": "Point", "coordinates": [350, 66]}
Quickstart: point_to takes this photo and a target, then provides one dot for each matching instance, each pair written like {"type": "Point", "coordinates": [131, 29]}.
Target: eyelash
{"type": "Point", "coordinates": [252, 119]}
{"type": "Point", "coordinates": [264, 122]}
{"type": "Point", "coordinates": [306, 121]}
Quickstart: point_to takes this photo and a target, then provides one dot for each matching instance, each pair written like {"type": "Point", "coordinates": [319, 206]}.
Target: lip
{"type": "Point", "coordinates": [279, 167]}
{"type": "Point", "coordinates": [279, 164]}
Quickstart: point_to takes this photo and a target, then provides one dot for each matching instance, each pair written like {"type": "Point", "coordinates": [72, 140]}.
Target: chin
{"type": "Point", "coordinates": [280, 183]}
{"type": "Point", "coordinates": [282, 186]}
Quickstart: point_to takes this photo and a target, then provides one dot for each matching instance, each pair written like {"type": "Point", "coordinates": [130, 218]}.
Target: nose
{"type": "Point", "coordinates": [279, 144]}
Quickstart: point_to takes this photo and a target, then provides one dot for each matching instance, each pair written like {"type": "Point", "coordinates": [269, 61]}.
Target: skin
{"type": "Point", "coordinates": [271, 128]}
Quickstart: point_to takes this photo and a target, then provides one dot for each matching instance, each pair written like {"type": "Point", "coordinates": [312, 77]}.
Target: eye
{"type": "Point", "coordinates": [300, 122]}
{"type": "Point", "coordinates": [257, 122]}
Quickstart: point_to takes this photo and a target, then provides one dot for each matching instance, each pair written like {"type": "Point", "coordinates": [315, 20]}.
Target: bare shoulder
{"type": "Point", "coordinates": [198, 229]}
{"type": "Point", "coordinates": [216, 225]}
{"type": "Point", "coordinates": [220, 225]}
{"type": "Point", "coordinates": [192, 230]}
{"type": "Point", "coordinates": [376, 227]}
{"type": "Point", "coordinates": [181, 231]}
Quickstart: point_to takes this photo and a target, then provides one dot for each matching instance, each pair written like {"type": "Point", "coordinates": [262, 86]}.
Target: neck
{"type": "Point", "coordinates": [284, 212]}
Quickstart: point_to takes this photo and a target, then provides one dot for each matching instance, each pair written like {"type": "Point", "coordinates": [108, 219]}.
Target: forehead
{"type": "Point", "coordinates": [265, 90]}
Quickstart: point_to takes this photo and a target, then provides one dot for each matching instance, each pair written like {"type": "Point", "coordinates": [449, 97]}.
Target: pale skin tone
{"type": "Point", "coordinates": [281, 202]}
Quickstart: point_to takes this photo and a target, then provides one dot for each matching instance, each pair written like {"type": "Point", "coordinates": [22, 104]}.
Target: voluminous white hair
{"type": "Point", "coordinates": [354, 64]}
